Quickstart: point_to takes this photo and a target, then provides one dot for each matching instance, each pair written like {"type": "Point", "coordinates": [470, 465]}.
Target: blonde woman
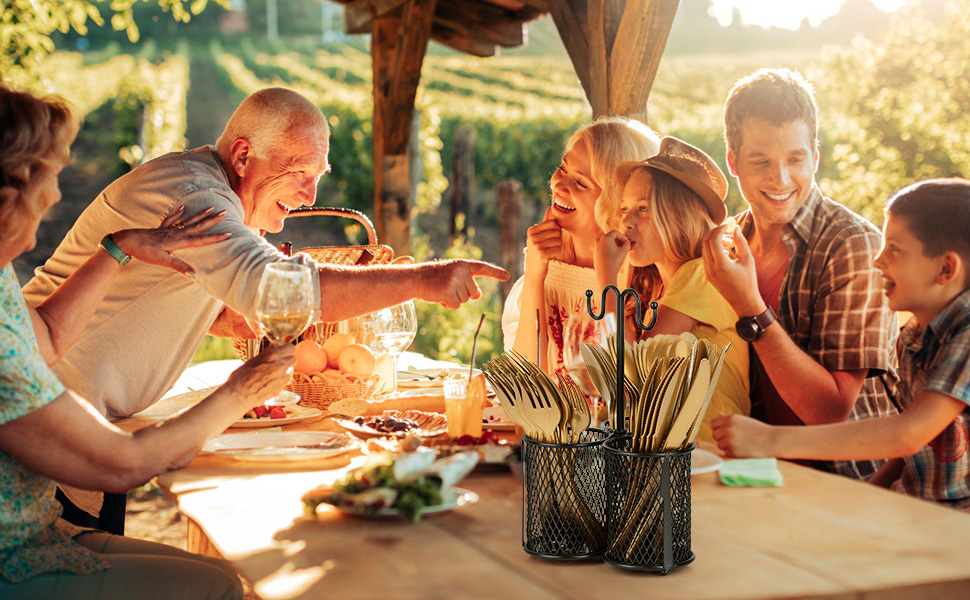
{"type": "Point", "coordinates": [559, 253]}
{"type": "Point", "coordinates": [48, 433]}
{"type": "Point", "coordinates": [668, 205]}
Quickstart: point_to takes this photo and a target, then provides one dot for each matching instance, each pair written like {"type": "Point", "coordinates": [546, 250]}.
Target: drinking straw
{"type": "Point", "coordinates": [471, 367]}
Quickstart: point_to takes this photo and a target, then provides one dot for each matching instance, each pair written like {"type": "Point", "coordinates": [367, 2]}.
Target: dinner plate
{"type": "Point", "coordinates": [430, 424]}
{"type": "Point", "coordinates": [451, 499]}
{"type": "Point", "coordinates": [172, 406]}
{"type": "Point", "coordinates": [431, 378]}
{"type": "Point", "coordinates": [702, 461]}
{"type": "Point", "coordinates": [300, 413]}
{"type": "Point", "coordinates": [497, 420]}
{"type": "Point", "coordinates": [281, 446]}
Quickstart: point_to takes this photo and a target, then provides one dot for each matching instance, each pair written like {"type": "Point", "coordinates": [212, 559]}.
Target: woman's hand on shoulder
{"type": "Point", "coordinates": [545, 241]}
{"type": "Point", "coordinates": [155, 246]}
{"type": "Point", "coordinates": [611, 250]}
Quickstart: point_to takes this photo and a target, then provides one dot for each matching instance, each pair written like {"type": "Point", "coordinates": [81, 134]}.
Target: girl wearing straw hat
{"type": "Point", "coordinates": [669, 203]}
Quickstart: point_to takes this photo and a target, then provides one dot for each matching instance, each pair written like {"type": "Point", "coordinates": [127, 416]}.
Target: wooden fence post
{"type": "Point", "coordinates": [510, 222]}
{"type": "Point", "coordinates": [463, 180]}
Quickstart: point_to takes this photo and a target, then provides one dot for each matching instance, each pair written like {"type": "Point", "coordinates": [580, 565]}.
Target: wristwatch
{"type": "Point", "coordinates": [750, 329]}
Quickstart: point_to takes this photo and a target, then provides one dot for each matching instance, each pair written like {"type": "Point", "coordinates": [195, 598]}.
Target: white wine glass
{"type": "Point", "coordinates": [284, 301]}
{"type": "Point", "coordinates": [393, 329]}
{"type": "Point", "coordinates": [575, 332]}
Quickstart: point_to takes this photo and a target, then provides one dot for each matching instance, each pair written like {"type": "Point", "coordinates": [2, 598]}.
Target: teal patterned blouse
{"type": "Point", "coordinates": [33, 537]}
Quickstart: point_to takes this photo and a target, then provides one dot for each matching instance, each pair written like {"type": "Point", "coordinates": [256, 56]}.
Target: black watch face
{"type": "Point", "coordinates": [747, 328]}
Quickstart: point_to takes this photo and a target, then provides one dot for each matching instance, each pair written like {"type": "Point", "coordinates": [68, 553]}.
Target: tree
{"type": "Point", "coordinates": [26, 26]}
{"type": "Point", "coordinates": [906, 101]}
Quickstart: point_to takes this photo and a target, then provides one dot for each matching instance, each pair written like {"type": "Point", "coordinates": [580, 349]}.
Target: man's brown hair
{"type": "Point", "coordinates": [778, 96]}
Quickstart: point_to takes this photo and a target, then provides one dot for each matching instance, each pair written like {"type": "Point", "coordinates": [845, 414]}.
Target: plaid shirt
{"type": "Point", "coordinates": [936, 359]}
{"type": "Point", "coordinates": [833, 307]}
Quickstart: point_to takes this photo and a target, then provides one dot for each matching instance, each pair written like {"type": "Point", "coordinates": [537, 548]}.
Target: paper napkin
{"type": "Point", "coordinates": [750, 472]}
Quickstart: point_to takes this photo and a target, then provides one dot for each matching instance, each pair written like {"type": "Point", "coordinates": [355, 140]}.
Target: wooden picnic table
{"type": "Point", "coordinates": [816, 536]}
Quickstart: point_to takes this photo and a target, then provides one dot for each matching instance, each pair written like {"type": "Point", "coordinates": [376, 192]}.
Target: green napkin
{"type": "Point", "coordinates": [750, 472]}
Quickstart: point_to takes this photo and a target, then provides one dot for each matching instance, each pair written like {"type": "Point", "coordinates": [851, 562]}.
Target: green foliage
{"type": "Point", "coordinates": [26, 26]}
{"type": "Point", "coordinates": [448, 334]}
{"type": "Point", "coordinates": [907, 112]}
{"type": "Point", "coordinates": [214, 348]}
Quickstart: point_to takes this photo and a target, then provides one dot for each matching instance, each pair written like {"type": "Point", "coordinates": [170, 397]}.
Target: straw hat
{"type": "Point", "coordinates": [689, 165]}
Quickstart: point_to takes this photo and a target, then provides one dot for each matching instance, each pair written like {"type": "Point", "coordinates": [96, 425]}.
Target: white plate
{"type": "Point", "coordinates": [431, 378]}
{"type": "Point", "coordinates": [702, 461]}
{"type": "Point", "coordinates": [300, 413]}
{"type": "Point", "coordinates": [171, 406]}
{"type": "Point", "coordinates": [277, 446]}
{"type": "Point", "coordinates": [451, 499]}
{"type": "Point", "coordinates": [497, 420]}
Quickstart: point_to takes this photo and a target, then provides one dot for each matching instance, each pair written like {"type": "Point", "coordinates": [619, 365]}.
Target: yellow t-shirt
{"type": "Point", "coordinates": [690, 292]}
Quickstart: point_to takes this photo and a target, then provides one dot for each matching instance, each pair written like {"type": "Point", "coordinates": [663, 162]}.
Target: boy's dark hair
{"type": "Point", "coordinates": [778, 96]}
{"type": "Point", "coordinates": [937, 212]}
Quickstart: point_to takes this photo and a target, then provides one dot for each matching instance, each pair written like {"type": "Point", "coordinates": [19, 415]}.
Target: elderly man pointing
{"type": "Point", "coordinates": [267, 162]}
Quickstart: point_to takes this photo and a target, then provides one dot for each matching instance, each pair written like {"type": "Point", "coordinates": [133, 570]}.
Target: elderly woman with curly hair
{"type": "Point", "coordinates": [49, 434]}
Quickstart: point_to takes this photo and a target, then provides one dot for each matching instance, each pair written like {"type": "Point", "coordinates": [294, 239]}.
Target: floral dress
{"type": "Point", "coordinates": [33, 539]}
{"type": "Point", "coordinates": [564, 290]}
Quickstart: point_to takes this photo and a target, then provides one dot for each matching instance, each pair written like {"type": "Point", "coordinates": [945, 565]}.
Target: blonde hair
{"type": "Point", "coordinates": [35, 133]}
{"type": "Point", "coordinates": [268, 119]}
{"type": "Point", "coordinates": [611, 141]}
{"type": "Point", "coordinates": [682, 222]}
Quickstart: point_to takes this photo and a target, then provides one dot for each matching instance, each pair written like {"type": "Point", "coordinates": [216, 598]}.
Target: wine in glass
{"type": "Point", "coordinates": [284, 301]}
{"type": "Point", "coordinates": [393, 330]}
{"type": "Point", "coordinates": [576, 331]}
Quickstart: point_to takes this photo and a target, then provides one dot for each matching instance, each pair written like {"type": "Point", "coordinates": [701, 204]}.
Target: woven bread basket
{"type": "Point", "coordinates": [320, 392]}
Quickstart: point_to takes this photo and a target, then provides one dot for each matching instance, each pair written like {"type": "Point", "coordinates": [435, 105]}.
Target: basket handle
{"type": "Point", "coordinates": [334, 211]}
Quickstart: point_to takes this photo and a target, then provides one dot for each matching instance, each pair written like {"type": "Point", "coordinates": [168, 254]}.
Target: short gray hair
{"type": "Point", "coordinates": [268, 118]}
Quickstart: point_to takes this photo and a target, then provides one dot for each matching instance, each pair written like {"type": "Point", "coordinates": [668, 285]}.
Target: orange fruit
{"type": "Point", "coordinates": [357, 359]}
{"type": "Point", "coordinates": [334, 345]}
{"type": "Point", "coordinates": [310, 357]}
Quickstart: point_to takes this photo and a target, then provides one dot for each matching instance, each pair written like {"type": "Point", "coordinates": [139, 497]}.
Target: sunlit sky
{"type": "Point", "coordinates": [787, 14]}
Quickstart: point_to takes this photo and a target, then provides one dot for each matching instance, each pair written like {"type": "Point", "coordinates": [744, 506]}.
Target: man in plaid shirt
{"type": "Point", "coordinates": [804, 262]}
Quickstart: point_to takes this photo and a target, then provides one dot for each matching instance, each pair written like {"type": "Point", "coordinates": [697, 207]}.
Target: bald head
{"type": "Point", "coordinates": [270, 118]}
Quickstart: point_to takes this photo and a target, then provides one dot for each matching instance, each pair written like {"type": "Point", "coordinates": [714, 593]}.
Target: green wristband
{"type": "Point", "coordinates": [112, 248]}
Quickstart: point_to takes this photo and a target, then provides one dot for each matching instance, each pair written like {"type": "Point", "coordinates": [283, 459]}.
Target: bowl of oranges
{"type": "Point", "coordinates": [335, 368]}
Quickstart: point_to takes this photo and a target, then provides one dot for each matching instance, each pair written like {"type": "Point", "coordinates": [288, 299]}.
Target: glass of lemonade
{"type": "Point", "coordinates": [464, 414]}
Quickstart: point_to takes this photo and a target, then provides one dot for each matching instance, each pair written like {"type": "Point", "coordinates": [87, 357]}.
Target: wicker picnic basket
{"type": "Point", "coordinates": [319, 391]}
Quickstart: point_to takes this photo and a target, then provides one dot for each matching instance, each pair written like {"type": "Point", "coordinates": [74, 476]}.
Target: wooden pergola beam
{"type": "Point", "coordinates": [615, 47]}
{"type": "Point", "coordinates": [462, 42]}
{"type": "Point", "coordinates": [500, 27]}
{"type": "Point", "coordinates": [398, 44]}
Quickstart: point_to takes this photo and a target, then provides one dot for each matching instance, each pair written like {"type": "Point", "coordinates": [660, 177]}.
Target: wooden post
{"type": "Point", "coordinates": [615, 47]}
{"type": "Point", "coordinates": [510, 209]}
{"type": "Point", "coordinates": [463, 181]}
{"type": "Point", "coordinates": [398, 42]}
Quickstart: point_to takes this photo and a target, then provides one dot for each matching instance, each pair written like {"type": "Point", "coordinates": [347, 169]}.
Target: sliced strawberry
{"type": "Point", "coordinates": [277, 412]}
{"type": "Point", "coordinates": [260, 411]}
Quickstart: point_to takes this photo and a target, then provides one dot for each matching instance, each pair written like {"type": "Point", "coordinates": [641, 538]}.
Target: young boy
{"type": "Point", "coordinates": [924, 260]}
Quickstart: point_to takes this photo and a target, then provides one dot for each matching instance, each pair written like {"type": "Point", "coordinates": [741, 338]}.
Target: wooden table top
{"type": "Point", "coordinates": [817, 536]}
